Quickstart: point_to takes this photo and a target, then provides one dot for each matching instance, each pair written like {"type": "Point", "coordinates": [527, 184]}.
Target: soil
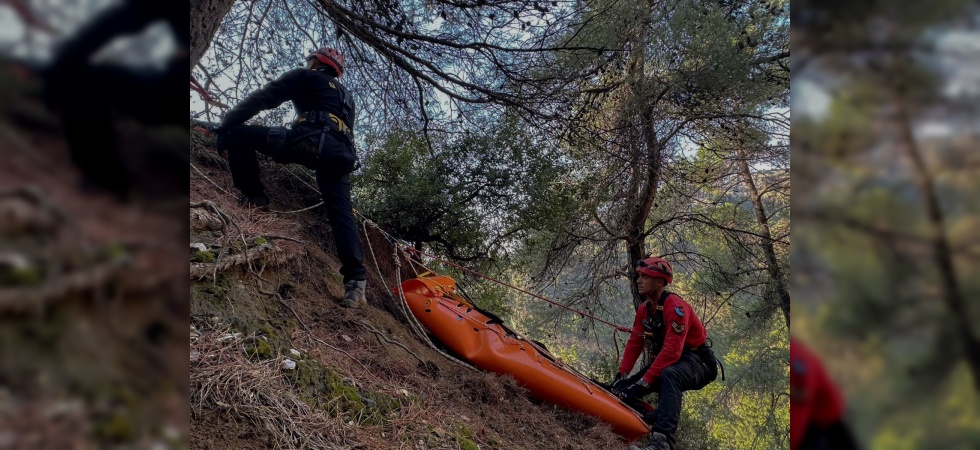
{"type": "Point", "coordinates": [93, 314]}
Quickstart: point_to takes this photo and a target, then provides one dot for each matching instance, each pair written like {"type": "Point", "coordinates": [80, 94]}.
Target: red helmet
{"type": "Point", "coordinates": [330, 57]}
{"type": "Point", "coordinates": [656, 267]}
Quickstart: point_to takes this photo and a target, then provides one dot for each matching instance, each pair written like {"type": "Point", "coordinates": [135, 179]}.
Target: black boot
{"type": "Point", "coordinates": [260, 202]}
{"type": "Point", "coordinates": [658, 441]}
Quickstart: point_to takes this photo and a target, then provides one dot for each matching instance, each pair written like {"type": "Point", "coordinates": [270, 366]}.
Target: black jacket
{"type": "Point", "coordinates": [309, 90]}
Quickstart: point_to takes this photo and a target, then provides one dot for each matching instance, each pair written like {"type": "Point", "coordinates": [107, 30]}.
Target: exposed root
{"type": "Point", "coordinates": [390, 341]}
{"type": "Point", "coordinates": [221, 216]}
{"type": "Point", "coordinates": [202, 270]}
{"type": "Point", "coordinates": [92, 279]}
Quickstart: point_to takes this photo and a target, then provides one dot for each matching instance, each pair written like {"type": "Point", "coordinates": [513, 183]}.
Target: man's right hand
{"type": "Point", "coordinates": [618, 384]}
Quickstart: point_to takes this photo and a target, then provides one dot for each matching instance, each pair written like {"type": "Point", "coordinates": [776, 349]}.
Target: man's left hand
{"type": "Point", "coordinates": [636, 390]}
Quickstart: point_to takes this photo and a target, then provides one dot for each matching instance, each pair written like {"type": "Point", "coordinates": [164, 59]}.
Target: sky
{"type": "Point", "coordinates": [148, 48]}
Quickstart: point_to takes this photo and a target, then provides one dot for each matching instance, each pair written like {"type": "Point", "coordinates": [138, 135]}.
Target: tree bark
{"type": "Point", "coordinates": [952, 292]}
{"type": "Point", "coordinates": [648, 192]}
{"type": "Point", "coordinates": [777, 278]}
{"type": "Point", "coordinates": [206, 15]}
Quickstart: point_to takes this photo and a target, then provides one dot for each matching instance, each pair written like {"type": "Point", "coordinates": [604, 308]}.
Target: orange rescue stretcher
{"type": "Point", "coordinates": [489, 345]}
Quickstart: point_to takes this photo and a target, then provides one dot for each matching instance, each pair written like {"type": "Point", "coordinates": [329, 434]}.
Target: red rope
{"type": "Point", "coordinates": [196, 87]}
{"type": "Point", "coordinates": [616, 343]}
{"type": "Point", "coordinates": [616, 327]}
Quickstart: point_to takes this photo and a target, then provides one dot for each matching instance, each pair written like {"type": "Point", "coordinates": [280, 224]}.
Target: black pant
{"type": "Point", "coordinates": [685, 374]}
{"type": "Point", "coordinates": [242, 142]}
{"type": "Point", "coordinates": [836, 436]}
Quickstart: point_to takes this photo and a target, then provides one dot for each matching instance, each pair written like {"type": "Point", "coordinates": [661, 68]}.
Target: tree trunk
{"type": "Point", "coordinates": [952, 293]}
{"type": "Point", "coordinates": [777, 280]}
{"type": "Point", "coordinates": [648, 192]}
{"type": "Point", "coordinates": [206, 15]}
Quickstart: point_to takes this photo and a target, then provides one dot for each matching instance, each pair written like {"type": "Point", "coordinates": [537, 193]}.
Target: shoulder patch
{"type": "Point", "coordinates": [677, 327]}
{"type": "Point", "coordinates": [334, 86]}
{"type": "Point", "coordinates": [798, 366]}
{"type": "Point", "coordinates": [679, 311]}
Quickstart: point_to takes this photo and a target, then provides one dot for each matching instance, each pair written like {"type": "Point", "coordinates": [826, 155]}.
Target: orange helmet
{"type": "Point", "coordinates": [330, 57]}
{"type": "Point", "coordinates": [656, 267]}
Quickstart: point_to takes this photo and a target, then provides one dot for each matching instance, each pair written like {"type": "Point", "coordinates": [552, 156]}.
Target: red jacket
{"type": "Point", "coordinates": [682, 329]}
{"type": "Point", "coordinates": [813, 397]}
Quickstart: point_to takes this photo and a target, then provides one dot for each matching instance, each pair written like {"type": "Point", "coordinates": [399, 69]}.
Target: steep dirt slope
{"type": "Point", "coordinates": [93, 305]}
{"type": "Point", "coordinates": [362, 378]}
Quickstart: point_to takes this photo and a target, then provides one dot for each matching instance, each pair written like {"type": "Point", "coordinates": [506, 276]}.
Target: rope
{"type": "Point", "coordinates": [196, 87]}
{"type": "Point", "coordinates": [416, 326]}
{"type": "Point", "coordinates": [581, 313]}
{"type": "Point", "coordinates": [209, 180]}
{"type": "Point", "coordinates": [299, 210]}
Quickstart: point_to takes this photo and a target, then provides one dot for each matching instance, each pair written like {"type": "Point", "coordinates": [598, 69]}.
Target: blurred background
{"type": "Point", "coordinates": [886, 167]}
{"type": "Point", "coordinates": [93, 220]}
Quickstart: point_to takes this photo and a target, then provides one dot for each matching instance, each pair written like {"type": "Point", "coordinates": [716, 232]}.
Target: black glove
{"type": "Point", "coordinates": [636, 390]}
{"type": "Point", "coordinates": [220, 141]}
{"type": "Point", "coordinates": [618, 384]}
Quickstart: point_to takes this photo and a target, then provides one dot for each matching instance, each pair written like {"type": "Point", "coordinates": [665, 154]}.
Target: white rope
{"type": "Point", "coordinates": [414, 323]}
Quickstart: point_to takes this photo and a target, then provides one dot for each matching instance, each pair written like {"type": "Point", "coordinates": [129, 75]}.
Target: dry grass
{"type": "Point", "coordinates": [223, 379]}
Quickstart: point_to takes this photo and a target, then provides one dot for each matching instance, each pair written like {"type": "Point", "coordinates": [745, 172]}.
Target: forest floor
{"type": "Point", "coordinates": [93, 291]}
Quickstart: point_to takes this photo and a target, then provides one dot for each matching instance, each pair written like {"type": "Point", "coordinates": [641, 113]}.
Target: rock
{"type": "Point", "coordinates": [205, 220]}
{"type": "Point", "coordinates": [288, 364]}
{"type": "Point", "coordinates": [295, 352]}
{"type": "Point", "coordinates": [199, 247]}
{"type": "Point", "coordinates": [368, 402]}
{"type": "Point", "coordinates": [16, 269]}
{"type": "Point", "coordinates": [229, 336]}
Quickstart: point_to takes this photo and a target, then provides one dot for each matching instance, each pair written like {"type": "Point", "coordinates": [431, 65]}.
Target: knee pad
{"type": "Point", "coordinates": [276, 136]}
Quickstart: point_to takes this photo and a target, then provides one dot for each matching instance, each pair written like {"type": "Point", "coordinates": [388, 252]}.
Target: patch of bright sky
{"type": "Point", "coordinates": [963, 47]}
{"type": "Point", "coordinates": [809, 100]}
{"type": "Point", "coordinates": [147, 48]}
{"type": "Point", "coordinates": [959, 51]}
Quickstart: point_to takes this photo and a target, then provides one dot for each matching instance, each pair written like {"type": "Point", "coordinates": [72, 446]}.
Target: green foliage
{"type": "Point", "coordinates": [203, 256]}
{"type": "Point", "coordinates": [261, 350]}
{"type": "Point", "coordinates": [469, 195]}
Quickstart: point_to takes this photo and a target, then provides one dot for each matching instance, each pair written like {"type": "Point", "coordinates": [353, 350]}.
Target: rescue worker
{"type": "Point", "coordinates": [89, 95]}
{"type": "Point", "coordinates": [321, 139]}
{"type": "Point", "coordinates": [816, 411]}
{"type": "Point", "coordinates": [683, 360]}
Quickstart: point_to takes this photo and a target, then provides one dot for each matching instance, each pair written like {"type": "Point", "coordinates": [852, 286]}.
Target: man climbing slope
{"type": "Point", "coordinates": [321, 139]}
{"type": "Point", "coordinates": [683, 362]}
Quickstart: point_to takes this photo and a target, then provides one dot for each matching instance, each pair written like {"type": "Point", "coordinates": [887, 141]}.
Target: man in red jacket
{"type": "Point", "coordinates": [683, 362]}
{"type": "Point", "coordinates": [816, 408]}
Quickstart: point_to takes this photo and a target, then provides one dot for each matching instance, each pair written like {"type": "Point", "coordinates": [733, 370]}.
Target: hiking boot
{"type": "Point", "coordinates": [658, 441]}
{"type": "Point", "coordinates": [354, 298]}
{"type": "Point", "coordinates": [260, 202]}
